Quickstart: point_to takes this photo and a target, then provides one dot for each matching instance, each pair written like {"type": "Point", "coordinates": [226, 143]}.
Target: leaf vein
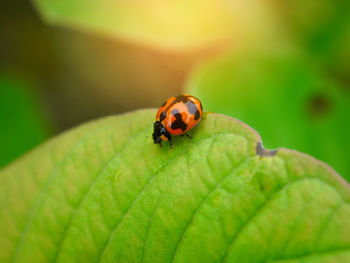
{"type": "Point", "coordinates": [203, 202]}
{"type": "Point", "coordinates": [260, 208]}
{"type": "Point", "coordinates": [44, 189]}
{"type": "Point", "coordinates": [85, 194]}
{"type": "Point", "coordinates": [153, 176]}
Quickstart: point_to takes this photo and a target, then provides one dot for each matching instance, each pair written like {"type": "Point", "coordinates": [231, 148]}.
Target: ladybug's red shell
{"type": "Point", "coordinates": [164, 107]}
{"type": "Point", "coordinates": [180, 114]}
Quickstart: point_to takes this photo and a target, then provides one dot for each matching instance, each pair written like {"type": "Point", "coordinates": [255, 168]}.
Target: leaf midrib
{"type": "Point", "coordinates": [152, 177]}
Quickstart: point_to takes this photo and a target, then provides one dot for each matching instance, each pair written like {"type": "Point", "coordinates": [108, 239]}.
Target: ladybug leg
{"type": "Point", "coordinates": [170, 142]}
{"type": "Point", "coordinates": [168, 135]}
{"type": "Point", "coordinates": [189, 136]}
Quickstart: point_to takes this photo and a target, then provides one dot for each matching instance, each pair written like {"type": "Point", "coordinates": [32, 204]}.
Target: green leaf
{"type": "Point", "coordinates": [318, 25]}
{"type": "Point", "coordinates": [104, 192]}
{"type": "Point", "coordinates": [175, 25]}
{"type": "Point", "coordinates": [281, 95]}
{"type": "Point", "coordinates": [23, 125]}
{"type": "Point", "coordinates": [322, 28]}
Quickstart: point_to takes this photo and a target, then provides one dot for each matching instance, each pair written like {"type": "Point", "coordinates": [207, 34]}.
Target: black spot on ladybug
{"type": "Point", "coordinates": [178, 123]}
{"type": "Point", "coordinates": [191, 107]}
{"type": "Point", "coordinates": [182, 98]}
{"type": "Point", "coordinates": [197, 115]}
{"type": "Point", "coordinates": [162, 116]}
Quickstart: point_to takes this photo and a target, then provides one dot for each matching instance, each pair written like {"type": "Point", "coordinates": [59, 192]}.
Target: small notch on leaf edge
{"type": "Point", "coordinates": [261, 151]}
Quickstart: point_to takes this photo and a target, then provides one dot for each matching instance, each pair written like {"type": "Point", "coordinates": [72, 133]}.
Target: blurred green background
{"type": "Point", "coordinates": [281, 67]}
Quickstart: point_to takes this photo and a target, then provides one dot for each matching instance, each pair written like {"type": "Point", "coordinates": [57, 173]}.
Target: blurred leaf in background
{"type": "Point", "coordinates": [133, 54]}
{"type": "Point", "coordinates": [322, 29]}
{"type": "Point", "coordinates": [283, 97]}
{"type": "Point", "coordinates": [317, 25]}
{"type": "Point", "coordinates": [83, 76]}
{"type": "Point", "coordinates": [166, 25]}
{"type": "Point", "coordinates": [23, 122]}
{"type": "Point", "coordinates": [102, 76]}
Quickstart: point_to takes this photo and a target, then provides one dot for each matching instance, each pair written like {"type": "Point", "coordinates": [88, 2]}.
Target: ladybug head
{"type": "Point", "coordinates": [160, 133]}
{"type": "Point", "coordinates": [157, 132]}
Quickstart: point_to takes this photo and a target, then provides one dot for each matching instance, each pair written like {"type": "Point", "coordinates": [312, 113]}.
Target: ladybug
{"type": "Point", "coordinates": [176, 116]}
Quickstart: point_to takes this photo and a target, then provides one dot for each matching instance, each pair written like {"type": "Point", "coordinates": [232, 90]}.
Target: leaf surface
{"type": "Point", "coordinates": [104, 192]}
